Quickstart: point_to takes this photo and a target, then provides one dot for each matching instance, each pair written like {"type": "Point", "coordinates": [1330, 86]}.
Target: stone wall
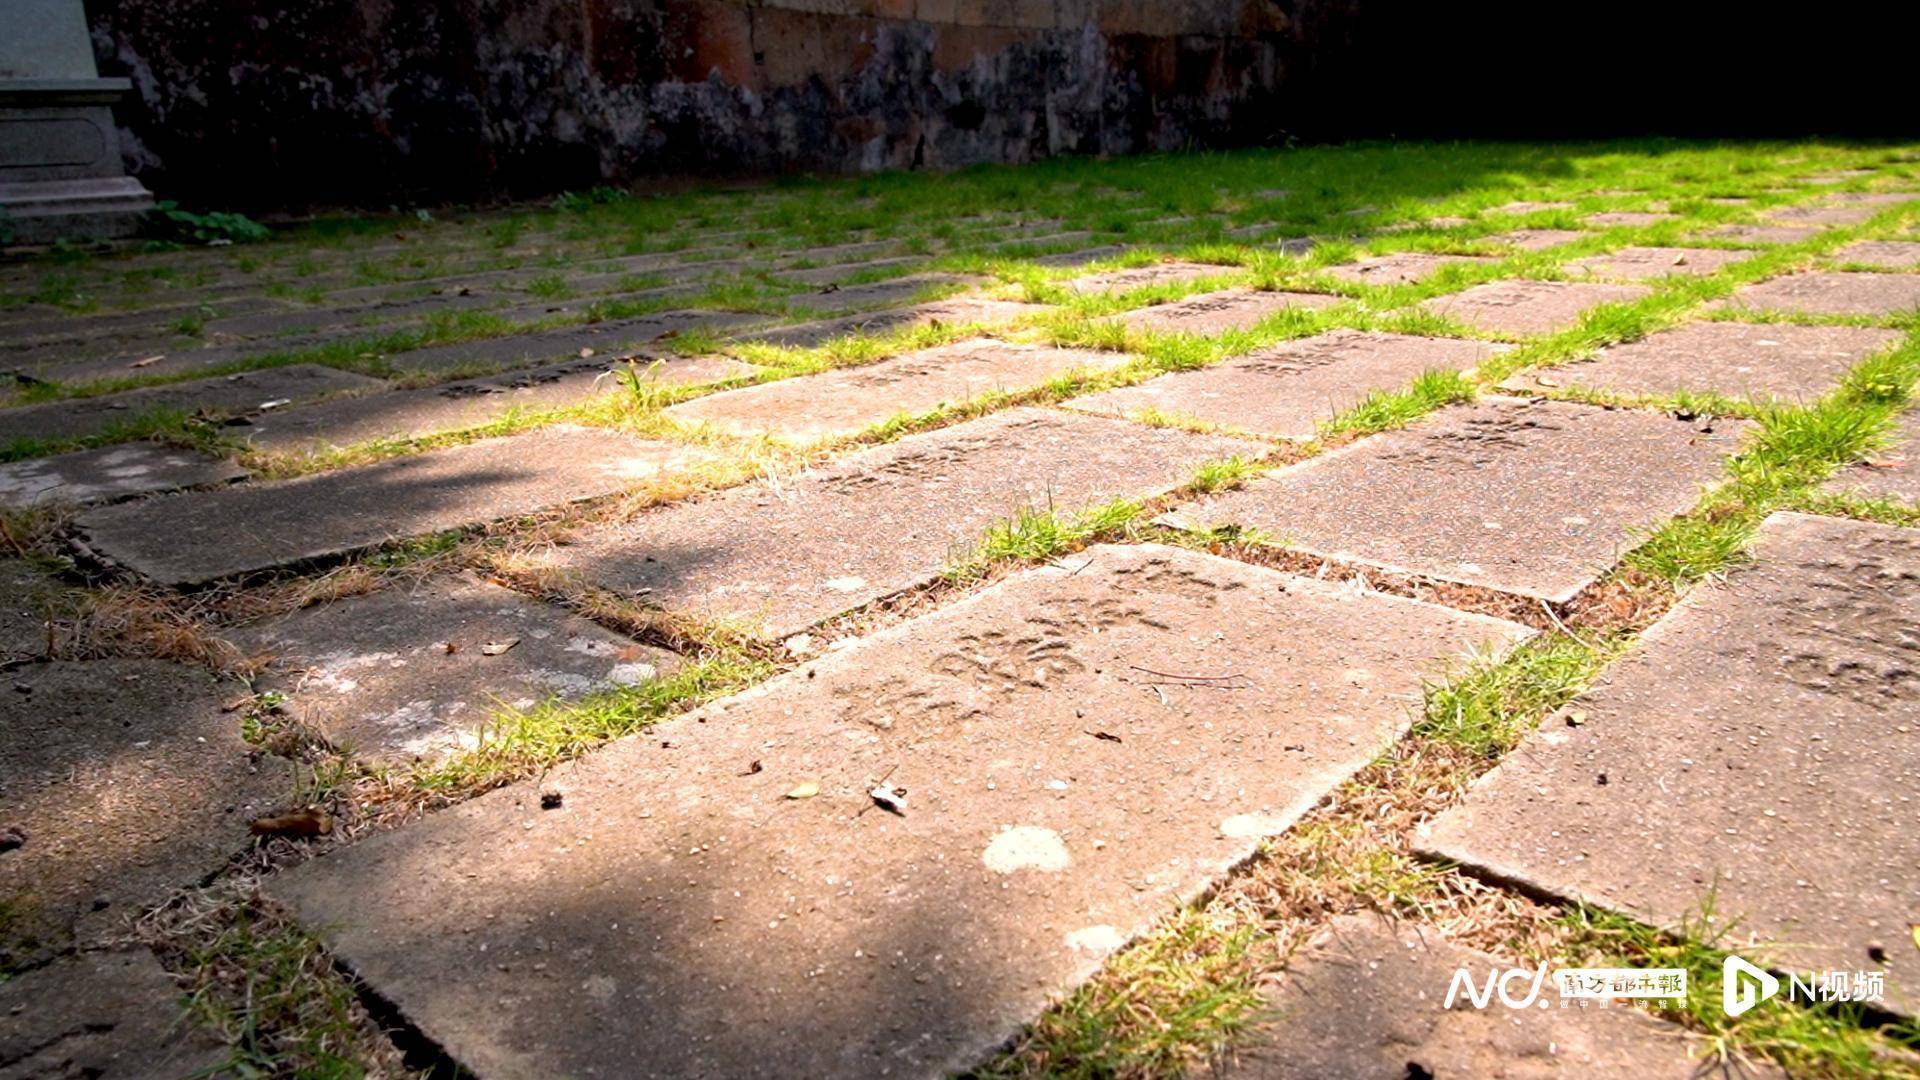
{"type": "Point", "coordinates": [282, 102]}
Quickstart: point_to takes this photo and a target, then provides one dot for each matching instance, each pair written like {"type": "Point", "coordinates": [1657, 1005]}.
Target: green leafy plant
{"type": "Point", "coordinates": [218, 227]}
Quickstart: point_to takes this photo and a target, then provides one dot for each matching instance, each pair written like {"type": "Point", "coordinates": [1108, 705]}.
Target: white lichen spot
{"type": "Point", "coordinates": [1027, 847]}
{"type": "Point", "coordinates": [1096, 939]}
{"type": "Point", "coordinates": [632, 674]}
{"type": "Point", "coordinates": [600, 987]}
{"type": "Point", "coordinates": [844, 584]}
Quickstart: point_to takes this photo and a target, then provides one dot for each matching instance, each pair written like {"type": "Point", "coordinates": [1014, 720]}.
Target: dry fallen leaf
{"type": "Point", "coordinates": [495, 648]}
{"type": "Point", "coordinates": [143, 362]}
{"type": "Point", "coordinates": [804, 791]}
{"type": "Point", "coordinates": [309, 821]}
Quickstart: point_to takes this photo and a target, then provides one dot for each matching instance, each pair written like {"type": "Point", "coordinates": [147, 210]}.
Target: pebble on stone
{"type": "Point", "coordinates": [195, 537]}
{"type": "Point", "coordinates": [1535, 498]}
{"type": "Point", "coordinates": [1529, 307]}
{"type": "Point", "coordinates": [1404, 268]}
{"type": "Point", "coordinates": [1756, 361]}
{"type": "Point", "coordinates": [103, 1015]}
{"type": "Point", "coordinates": [1648, 263]}
{"type": "Point", "coordinates": [224, 395]}
{"type": "Point", "coordinates": [1756, 754]}
{"type": "Point", "coordinates": [1287, 390]}
{"type": "Point", "coordinates": [1212, 313]}
{"type": "Point", "coordinates": [1833, 292]}
{"type": "Point", "coordinates": [108, 474]}
{"type": "Point", "coordinates": [678, 907]}
{"type": "Point", "coordinates": [405, 672]}
{"type": "Point", "coordinates": [775, 559]}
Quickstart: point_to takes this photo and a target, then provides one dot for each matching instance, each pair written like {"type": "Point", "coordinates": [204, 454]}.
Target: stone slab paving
{"type": "Point", "coordinates": [1821, 215]}
{"type": "Point", "coordinates": [1536, 239]}
{"type": "Point", "coordinates": [1287, 390]}
{"type": "Point", "coordinates": [26, 594]}
{"type": "Point", "coordinates": [1139, 277]}
{"type": "Point", "coordinates": [1887, 254]}
{"type": "Point", "coordinates": [224, 395]}
{"type": "Point", "coordinates": [1758, 751]}
{"type": "Point", "coordinates": [846, 401]}
{"type": "Point", "coordinates": [1535, 498]}
{"type": "Point", "coordinates": [1404, 268]}
{"type": "Point", "coordinates": [196, 537]}
{"type": "Point", "coordinates": [1833, 292]}
{"type": "Point", "coordinates": [879, 293]}
{"type": "Point", "coordinates": [127, 781]}
{"type": "Point", "coordinates": [1529, 307]}
{"type": "Point", "coordinates": [608, 340]}
{"type": "Point", "coordinates": [103, 1016]}
{"type": "Point", "coordinates": [1890, 473]}
{"type": "Point", "coordinates": [470, 403]}
{"type": "Point", "coordinates": [1762, 234]}
{"type": "Point", "coordinates": [109, 474]}
{"type": "Point", "coordinates": [415, 672]}
{"type": "Point", "coordinates": [779, 558]}
{"type": "Point", "coordinates": [1212, 313]}
{"type": "Point", "coordinates": [957, 311]}
{"type": "Point", "coordinates": [1757, 361]}
{"type": "Point", "coordinates": [677, 907]}
{"type": "Point", "coordinates": [1636, 218]}
{"type": "Point", "coordinates": [1648, 263]}
{"type": "Point", "coordinates": [1367, 998]}
{"type": "Point", "coordinates": [1525, 206]}
{"type": "Point", "coordinates": [47, 326]}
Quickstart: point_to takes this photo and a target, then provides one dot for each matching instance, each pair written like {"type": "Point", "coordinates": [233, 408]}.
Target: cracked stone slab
{"type": "Point", "coordinates": [1289, 389]}
{"type": "Point", "coordinates": [1068, 781]}
{"type": "Point", "coordinates": [104, 1015]}
{"type": "Point", "coordinates": [1833, 292]}
{"type": "Point", "coordinates": [1536, 239]}
{"type": "Point", "coordinates": [1212, 313]}
{"type": "Point", "coordinates": [609, 340]}
{"type": "Point", "coordinates": [1529, 307]}
{"type": "Point", "coordinates": [470, 403]}
{"type": "Point", "coordinates": [196, 537]}
{"type": "Point", "coordinates": [1757, 753]}
{"type": "Point", "coordinates": [958, 311]}
{"type": "Point", "coordinates": [127, 782]}
{"type": "Point", "coordinates": [1367, 998]}
{"type": "Point", "coordinates": [418, 672]}
{"type": "Point", "coordinates": [225, 395]}
{"type": "Point", "coordinates": [1636, 218]}
{"type": "Point", "coordinates": [1892, 473]}
{"type": "Point", "coordinates": [880, 521]}
{"type": "Point", "coordinates": [1756, 361]}
{"type": "Point", "coordinates": [1535, 498]}
{"type": "Point", "coordinates": [1649, 263]}
{"type": "Point", "coordinates": [1886, 254]}
{"type": "Point", "coordinates": [1139, 277]}
{"type": "Point", "coordinates": [109, 474]}
{"type": "Point", "coordinates": [846, 401]}
{"type": "Point", "coordinates": [1404, 268]}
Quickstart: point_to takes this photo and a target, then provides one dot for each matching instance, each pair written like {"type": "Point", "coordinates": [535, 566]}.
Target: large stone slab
{"type": "Point", "coordinates": [897, 290]}
{"type": "Point", "coordinates": [1082, 747]}
{"type": "Point", "coordinates": [108, 474]}
{"type": "Point", "coordinates": [470, 403]}
{"type": "Point", "coordinates": [845, 401]}
{"type": "Point", "coordinates": [1756, 755]}
{"type": "Point", "coordinates": [958, 311]}
{"type": "Point", "coordinates": [1649, 263]}
{"type": "Point", "coordinates": [226, 395]}
{"type": "Point", "coordinates": [1757, 361]}
{"type": "Point", "coordinates": [880, 521]}
{"type": "Point", "coordinates": [104, 1016]}
{"type": "Point", "coordinates": [1763, 234]}
{"type": "Point", "coordinates": [1613, 219]}
{"type": "Point", "coordinates": [1529, 307]}
{"type": "Point", "coordinates": [1288, 390]}
{"type": "Point", "coordinates": [1536, 239]}
{"type": "Point", "coordinates": [1891, 473]}
{"type": "Point", "coordinates": [1212, 313]}
{"type": "Point", "coordinates": [1887, 254]}
{"type": "Point", "coordinates": [1527, 206]}
{"type": "Point", "coordinates": [126, 781]}
{"type": "Point", "coordinates": [609, 340]}
{"type": "Point", "coordinates": [1367, 998]}
{"type": "Point", "coordinates": [416, 672]}
{"type": "Point", "coordinates": [1403, 268]}
{"type": "Point", "coordinates": [1825, 215]}
{"type": "Point", "coordinates": [196, 537]}
{"type": "Point", "coordinates": [1536, 498]}
{"type": "Point", "coordinates": [1834, 292]}
{"type": "Point", "coordinates": [1140, 277]}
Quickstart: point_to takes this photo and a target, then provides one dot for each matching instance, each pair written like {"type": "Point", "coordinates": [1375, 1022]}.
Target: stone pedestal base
{"type": "Point", "coordinates": [60, 174]}
{"type": "Point", "coordinates": [98, 208]}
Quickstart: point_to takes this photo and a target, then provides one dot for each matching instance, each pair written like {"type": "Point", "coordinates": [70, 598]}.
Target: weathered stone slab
{"type": "Point", "coordinates": [469, 403]}
{"type": "Point", "coordinates": [104, 1016]}
{"type": "Point", "coordinates": [127, 781]}
{"type": "Point", "coordinates": [1536, 498]}
{"type": "Point", "coordinates": [1636, 218]}
{"type": "Point", "coordinates": [1529, 307]}
{"type": "Point", "coordinates": [108, 474]}
{"type": "Point", "coordinates": [1833, 292]}
{"type": "Point", "coordinates": [1140, 277]}
{"type": "Point", "coordinates": [195, 537]}
{"type": "Point", "coordinates": [418, 672]}
{"type": "Point", "coordinates": [225, 395]}
{"type": "Point", "coordinates": [1647, 263]}
{"type": "Point", "coordinates": [958, 311]}
{"type": "Point", "coordinates": [1755, 756]}
{"type": "Point", "coordinates": [1827, 215]}
{"type": "Point", "coordinates": [26, 595]}
{"type": "Point", "coordinates": [1211, 313]}
{"type": "Point", "coordinates": [375, 313]}
{"type": "Point", "coordinates": [845, 401]}
{"type": "Point", "coordinates": [1289, 389]}
{"type": "Point", "coordinates": [1068, 780]}
{"type": "Point", "coordinates": [1536, 239]}
{"type": "Point", "coordinates": [880, 521]}
{"type": "Point", "coordinates": [1763, 234]}
{"type": "Point", "coordinates": [1080, 258]}
{"type": "Point", "coordinates": [1524, 206]}
{"type": "Point", "coordinates": [1367, 998]}
{"type": "Point", "coordinates": [872, 293]}
{"type": "Point", "coordinates": [830, 276]}
{"type": "Point", "coordinates": [608, 340]}
{"type": "Point", "coordinates": [1404, 268]}
{"type": "Point", "coordinates": [1743, 360]}
{"type": "Point", "coordinates": [1888, 254]}
{"type": "Point", "coordinates": [1892, 473]}
{"type": "Point", "coordinates": [46, 327]}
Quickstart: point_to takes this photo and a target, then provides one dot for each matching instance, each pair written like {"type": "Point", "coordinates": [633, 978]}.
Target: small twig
{"type": "Point", "coordinates": [1188, 678]}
